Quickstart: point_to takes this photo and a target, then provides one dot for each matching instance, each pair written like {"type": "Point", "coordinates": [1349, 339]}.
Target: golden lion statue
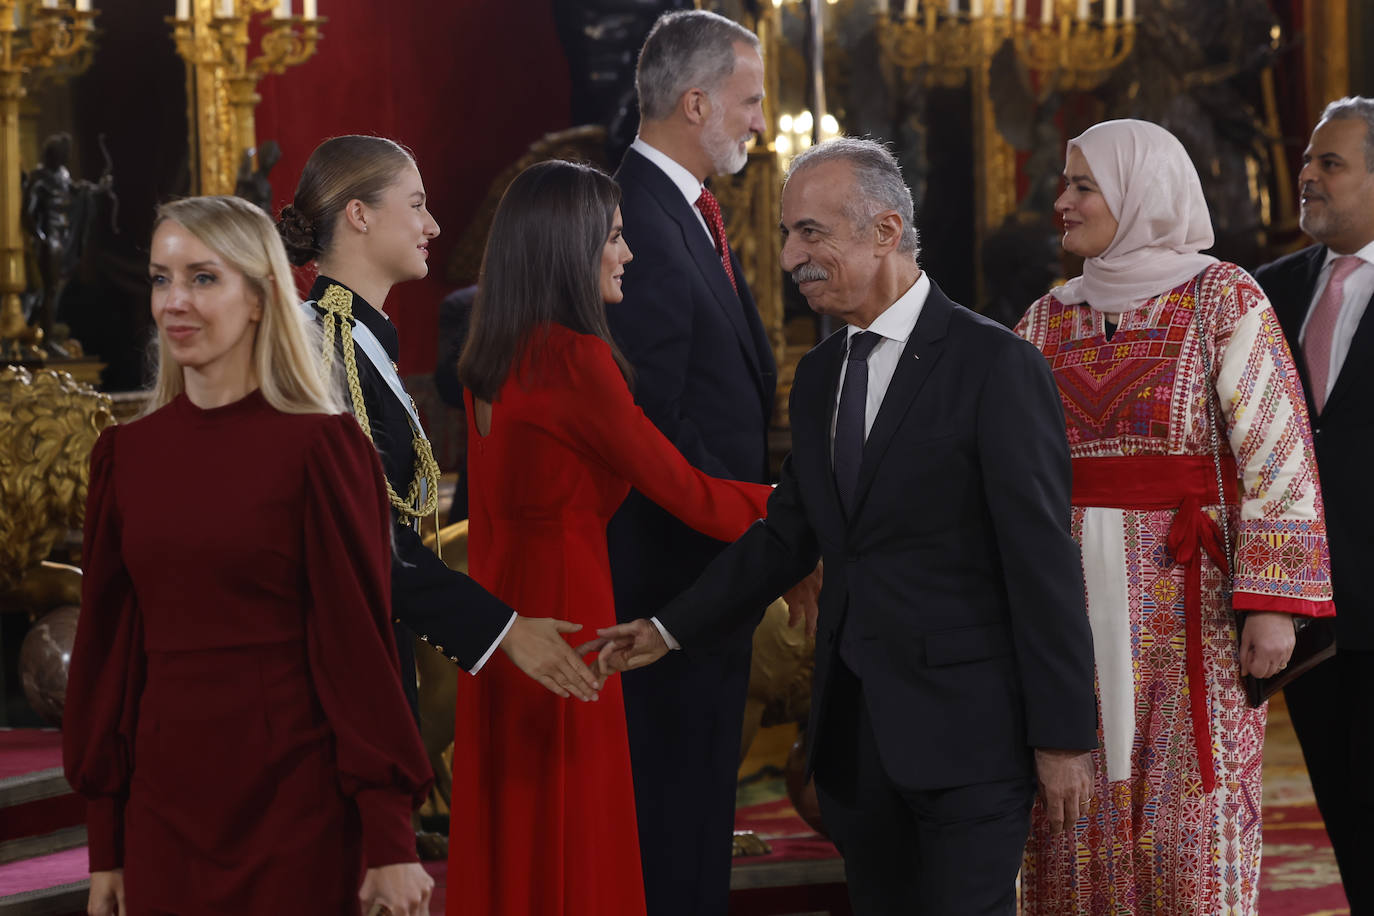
{"type": "Point", "coordinates": [48, 425]}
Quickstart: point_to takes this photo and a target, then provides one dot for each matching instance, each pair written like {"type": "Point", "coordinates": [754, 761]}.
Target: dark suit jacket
{"type": "Point", "coordinates": [957, 567]}
{"type": "Point", "coordinates": [704, 374]}
{"type": "Point", "coordinates": [1344, 441]}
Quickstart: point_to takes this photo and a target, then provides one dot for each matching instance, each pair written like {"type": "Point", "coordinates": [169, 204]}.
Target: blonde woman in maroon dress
{"type": "Point", "coordinates": [234, 714]}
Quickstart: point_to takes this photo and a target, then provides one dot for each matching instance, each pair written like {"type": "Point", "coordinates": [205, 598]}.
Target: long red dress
{"type": "Point", "coordinates": [234, 711]}
{"type": "Point", "coordinates": [543, 816]}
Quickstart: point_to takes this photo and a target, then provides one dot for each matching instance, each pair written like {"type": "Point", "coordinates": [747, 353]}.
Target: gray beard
{"type": "Point", "coordinates": [726, 156]}
{"type": "Point", "coordinates": [1316, 226]}
{"type": "Point", "coordinates": [730, 162]}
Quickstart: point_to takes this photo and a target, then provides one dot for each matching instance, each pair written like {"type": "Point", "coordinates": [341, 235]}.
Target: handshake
{"type": "Point", "coordinates": [624, 646]}
{"type": "Point", "coordinates": [642, 642]}
{"type": "Point", "coordinates": [537, 645]}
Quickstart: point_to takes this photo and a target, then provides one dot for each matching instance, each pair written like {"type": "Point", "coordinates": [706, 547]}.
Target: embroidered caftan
{"type": "Point", "coordinates": [1174, 825]}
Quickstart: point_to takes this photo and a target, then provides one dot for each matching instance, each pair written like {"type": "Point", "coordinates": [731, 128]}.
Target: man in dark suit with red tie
{"type": "Point", "coordinates": [705, 375]}
{"type": "Point", "coordinates": [930, 467]}
{"type": "Point", "coordinates": [1322, 296]}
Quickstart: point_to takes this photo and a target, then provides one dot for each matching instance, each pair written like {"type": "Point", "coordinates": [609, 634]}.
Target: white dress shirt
{"type": "Point", "coordinates": [686, 182]}
{"type": "Point", "coordinates": [894, 326]}
{"type": "Point", "coordinates": [1359, 287]}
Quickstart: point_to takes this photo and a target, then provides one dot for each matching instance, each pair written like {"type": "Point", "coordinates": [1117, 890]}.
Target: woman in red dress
{"type": "Point", "coordinates": [234, 714]}
{"type": "Point", "coordinates": [543, 804]}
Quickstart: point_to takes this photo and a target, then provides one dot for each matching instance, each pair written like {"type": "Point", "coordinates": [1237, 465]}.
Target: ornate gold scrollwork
{"type": "Point", "coordinates": [48, 425]}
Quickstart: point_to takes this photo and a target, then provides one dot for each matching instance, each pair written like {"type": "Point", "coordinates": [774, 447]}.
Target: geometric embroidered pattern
{"type": "Point", "coordinates": [1156, 843]}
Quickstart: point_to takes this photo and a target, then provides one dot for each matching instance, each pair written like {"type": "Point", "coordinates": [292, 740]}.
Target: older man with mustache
{"type": "Point", "coordinates": [1321, 296]}
{"type": "Point", "coordinates": [930, 468]}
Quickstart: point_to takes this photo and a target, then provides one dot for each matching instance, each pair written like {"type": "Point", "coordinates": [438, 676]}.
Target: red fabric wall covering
{"type": "Point", "coordinates": [466, 84]}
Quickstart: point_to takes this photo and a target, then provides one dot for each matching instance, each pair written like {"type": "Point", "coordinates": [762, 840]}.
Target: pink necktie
{"type": "Point", "coordinates": [1321, 327]}
{"type": "Point", "coordinates": [710, 208]}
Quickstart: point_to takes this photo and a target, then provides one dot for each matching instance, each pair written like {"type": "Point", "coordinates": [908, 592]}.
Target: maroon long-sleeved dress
{"type": "Point", "coordinates": [234, 713]}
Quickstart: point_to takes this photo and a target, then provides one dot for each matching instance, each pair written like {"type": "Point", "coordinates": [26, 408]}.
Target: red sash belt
{"type": "Point", "coordinates": [1185, 483]}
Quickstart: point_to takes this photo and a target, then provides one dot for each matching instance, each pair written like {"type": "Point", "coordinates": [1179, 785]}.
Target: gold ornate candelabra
{"type": "Point", "coordinates": [37, 37]}
{"type": "Point", "coordinates": [938, 40]}
{"type": "Point", "coordinates": [1072, 48]}
{"type": "Point", "coordinates": [212, 36]}
{"type": "Point", "coordinates": [1065, 44]}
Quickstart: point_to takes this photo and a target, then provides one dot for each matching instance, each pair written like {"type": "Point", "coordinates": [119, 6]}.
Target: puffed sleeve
{"type": "Point", "coordinates": [605, 420]}
{"type": "Point", "coordinates": [1282, 562]}
{"type": "Point", "coordinates": [107, 670]}
{"type": "Point", "coordinates": [381, 762]}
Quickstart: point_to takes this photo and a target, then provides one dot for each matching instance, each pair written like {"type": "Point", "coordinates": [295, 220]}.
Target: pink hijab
{"type": "Point", "coordinates": [1152, 189]}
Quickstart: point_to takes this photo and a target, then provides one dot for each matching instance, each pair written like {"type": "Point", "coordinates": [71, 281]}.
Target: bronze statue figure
{"type": "Point", "coordinates": [58, 211]}
{"type": "Point", "coordinates": [252, 184]}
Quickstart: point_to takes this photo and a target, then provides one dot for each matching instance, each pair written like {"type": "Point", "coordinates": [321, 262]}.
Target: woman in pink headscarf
{"type": "Point", "coordinates": [1180, 396]}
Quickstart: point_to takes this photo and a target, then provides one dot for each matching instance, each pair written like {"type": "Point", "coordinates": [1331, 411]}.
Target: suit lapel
{"type": "Point", "coordinates": [830, 355]}
{"type": "Point", "coordinates": [1292, 308]}
{"type": "Point", "coordinates": [1292, 311]}
{"type": "Point", "coordinates": [699, 247]}
{"type": "Point", "coordinates": [923, 350]}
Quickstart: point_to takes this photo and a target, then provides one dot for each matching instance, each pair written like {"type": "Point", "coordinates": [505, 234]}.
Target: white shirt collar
{"type": "Point", "coordinates": [686, 182]}
{"type": "Point", "coordinates": [1365, 254]}
{"type": "Point", "coordinates": [898, 319]}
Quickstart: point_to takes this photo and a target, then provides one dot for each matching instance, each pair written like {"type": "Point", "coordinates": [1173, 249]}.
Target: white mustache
{"type": "Point", "coordinates": [808, 272]}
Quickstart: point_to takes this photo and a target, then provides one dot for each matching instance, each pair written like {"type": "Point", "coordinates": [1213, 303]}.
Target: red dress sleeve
{"type": "Point", "coordinates": [381, 762]}
{"type": "Point", "coordinates": [107, 670]}
{"type": "Point", "coordinates": [602, 416]}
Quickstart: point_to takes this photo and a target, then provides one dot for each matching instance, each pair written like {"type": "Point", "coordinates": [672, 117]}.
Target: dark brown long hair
{"type": "Point", "coordinates": [542, 265]}
{"type": "Point", "coordinates": [340, 169]}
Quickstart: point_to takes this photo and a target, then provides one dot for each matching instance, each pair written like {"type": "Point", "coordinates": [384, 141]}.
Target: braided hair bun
{"type": "Point", "coordinates": [298, 233]}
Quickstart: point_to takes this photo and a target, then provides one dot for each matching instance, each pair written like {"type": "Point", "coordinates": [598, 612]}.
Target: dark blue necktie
{"type": "Point", "coordinates": [849, 418]}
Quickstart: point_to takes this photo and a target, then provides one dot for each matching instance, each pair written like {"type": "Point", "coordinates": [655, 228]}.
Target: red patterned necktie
{"type": "Point", "coordinates": [1321, 327]}
{"type": "Point", "coordinates": [710, 208]}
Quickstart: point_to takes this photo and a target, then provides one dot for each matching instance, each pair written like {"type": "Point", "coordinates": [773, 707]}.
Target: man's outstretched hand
{"type": "Point", "coordinates": [632, 645]}
{"type": "Point", "coordinates": [537, 647]}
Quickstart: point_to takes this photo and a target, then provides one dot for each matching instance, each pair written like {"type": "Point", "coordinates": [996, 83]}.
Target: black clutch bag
{"type": "Point", "coordinates": [1315, 642]}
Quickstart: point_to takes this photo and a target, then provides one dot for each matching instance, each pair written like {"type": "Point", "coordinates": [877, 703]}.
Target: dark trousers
{"type": "Point", "coordinates": [1333, 713]}
{"type": "Point", "coordinates": [685, 714]}
{"type": "Point", "coordinates": [941, 852]}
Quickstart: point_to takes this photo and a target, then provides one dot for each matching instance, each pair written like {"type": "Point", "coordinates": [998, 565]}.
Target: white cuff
{"type": "Point", "coordinates": [667, 637]}
{"type": "Point", "coordinates": [486, 655]}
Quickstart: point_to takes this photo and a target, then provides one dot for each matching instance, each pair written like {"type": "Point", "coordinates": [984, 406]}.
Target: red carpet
{"type": "Point", "coordinates": [1299, 872]}
{"type": "Point", "coordinates": [45, 871]}
{"type": "Point", "coordinates": [791, 838]}
{"type": "Point", "coordinates": [24, 750]}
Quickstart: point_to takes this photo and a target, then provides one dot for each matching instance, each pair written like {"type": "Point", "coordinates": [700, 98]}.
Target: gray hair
{"type": "Point", "coordinates": [877, 178]}
{"type": "Point", "coordinates": [1351, 108]}
{"type": "Point", "coordinates": [689, 49]}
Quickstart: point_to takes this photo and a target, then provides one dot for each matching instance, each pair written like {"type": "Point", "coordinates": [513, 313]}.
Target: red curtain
{"type": "Point", "coordinates": [467, 85]}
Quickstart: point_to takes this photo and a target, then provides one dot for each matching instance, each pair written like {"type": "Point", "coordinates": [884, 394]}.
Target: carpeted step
{"type": "Point", "coordinates": [56, 884]}
{"type": "Point", "coordinates": [39, 813]}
